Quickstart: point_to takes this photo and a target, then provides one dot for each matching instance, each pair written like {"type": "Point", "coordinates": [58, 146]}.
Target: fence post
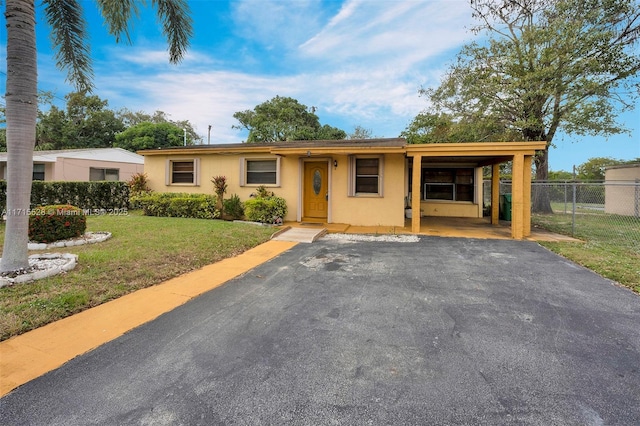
{"type": "Point", "coordinates": [637, 198]}
{"type": "Point", "coordinates": [573, 210]}
{"type": "Point", "coordinates": [565, 197]}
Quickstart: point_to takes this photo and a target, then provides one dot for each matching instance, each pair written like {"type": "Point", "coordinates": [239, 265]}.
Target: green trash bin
{"type": "Point", "coordinates": [505, 207]}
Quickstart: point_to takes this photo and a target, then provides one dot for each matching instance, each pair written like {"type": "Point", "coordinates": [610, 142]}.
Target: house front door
{"type": "Point", "coordinates": [316, 190]}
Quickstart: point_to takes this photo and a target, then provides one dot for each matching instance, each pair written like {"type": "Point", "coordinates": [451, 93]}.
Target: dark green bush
{"type": "Point", "coordinates": [271, 209]}
{"type": "Point", "coordinates": [56, 222]}
{"type": "Point", "coordinates": [85, 195]}
{"type": "Point", "coordinates": [234, 207]}
{"type": "Point", "coordinates": [3, 194]}
{"type": "Point", "coordinates": [173, 204]}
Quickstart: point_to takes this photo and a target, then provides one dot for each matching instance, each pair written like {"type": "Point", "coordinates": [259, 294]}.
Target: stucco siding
{"type": "Point", "coordinates": [622, 190]}
{"type": "Point", "coordinates": [356, 210]}
{"type": "Point", "coordinates": [370, 210]}
{"type": "Point", "coordinates": [76, 169]}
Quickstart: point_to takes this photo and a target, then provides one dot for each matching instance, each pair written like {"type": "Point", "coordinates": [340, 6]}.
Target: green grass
{"type": "Point", "coordinates": [142, 251]}
{"type": "Point", "coordinates": [611, 244]}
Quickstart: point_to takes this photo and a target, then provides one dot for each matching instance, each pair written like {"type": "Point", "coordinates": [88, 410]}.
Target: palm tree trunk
{"type": "Point", "coordinates": [21, 113]}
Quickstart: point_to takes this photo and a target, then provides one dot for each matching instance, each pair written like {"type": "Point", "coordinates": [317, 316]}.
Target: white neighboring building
{"type": "Point", "coordinates": [622, 190]}
{"type": "Point", "coordinates": [92, 164]}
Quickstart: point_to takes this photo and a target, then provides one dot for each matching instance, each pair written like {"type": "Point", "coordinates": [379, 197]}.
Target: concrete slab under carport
{"type": "Point", "coordinates": [460, 227]}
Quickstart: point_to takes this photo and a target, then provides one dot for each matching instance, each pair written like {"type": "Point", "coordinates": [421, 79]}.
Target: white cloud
{"type": "Point", "coordinates": [276, 22]}
{"type": "Point", "coordinates": [362, 66]}
{"type": "Point", "coordinates": [379, 31]}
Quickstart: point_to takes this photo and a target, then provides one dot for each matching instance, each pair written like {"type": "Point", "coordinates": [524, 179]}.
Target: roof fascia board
{"type": "Point", "coordinates": [338, 150]}
{"type": "Point", "coordinates": [476, 149]}
{"type": "Point", "coordinates": [208, 150]}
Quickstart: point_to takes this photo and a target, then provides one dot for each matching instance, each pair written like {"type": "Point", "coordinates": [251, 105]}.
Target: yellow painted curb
{"type": "Point", "coordinates": [32, 354]}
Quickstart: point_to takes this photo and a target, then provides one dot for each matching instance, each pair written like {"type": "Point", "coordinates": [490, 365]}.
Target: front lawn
{"type": "Point", "coordinates": [143, 251]}
{"type": "Point", "coordinates": [611, 248]}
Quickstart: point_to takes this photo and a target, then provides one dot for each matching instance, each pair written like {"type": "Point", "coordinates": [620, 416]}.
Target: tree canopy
{"type": "Point", "coordinates": [594, 168]}
{"type": "Point", "coordinates": [545, 66]}
{"type": "Point", "coordinates": [86, 123]}
{"type": "Point", "coordinates": [148, 135]}
{"type": "Point", "coordinates": [284, 119]}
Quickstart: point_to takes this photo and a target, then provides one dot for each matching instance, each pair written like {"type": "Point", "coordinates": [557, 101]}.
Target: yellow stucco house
{"type": "Point", "coordinates": [358, 182]}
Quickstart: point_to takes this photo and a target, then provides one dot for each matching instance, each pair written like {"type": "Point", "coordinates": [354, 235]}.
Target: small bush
{"type": "Point", "coordinates": [234, 207]}
{"type": "Point", "coordinates": [263, 192]}
{"type": "Point", "coordinates": [271, 209]}
{"type": "Point", "coordinates": [57, 222]}
{"type": "Point", "coordinates": [171, 204]}
{"type": "Point", "coordinates": [138, 184]}
{"type": "Point", "coordinates": [138, 187]}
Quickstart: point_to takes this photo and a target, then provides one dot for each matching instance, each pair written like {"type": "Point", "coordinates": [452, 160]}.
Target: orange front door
{"type": "Point", "coordinates": [316, 190]}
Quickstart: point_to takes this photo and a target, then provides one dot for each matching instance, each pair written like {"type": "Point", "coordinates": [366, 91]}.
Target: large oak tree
{"type": "Point", "coordinates": [544, 66]}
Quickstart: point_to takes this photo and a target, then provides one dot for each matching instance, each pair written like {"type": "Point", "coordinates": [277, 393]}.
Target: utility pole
{"type": "Point", "coordinates": [209, 136]}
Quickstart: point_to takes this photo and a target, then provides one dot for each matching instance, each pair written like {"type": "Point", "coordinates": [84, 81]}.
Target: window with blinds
{"type": "Point", "coordinates": [365, 176]}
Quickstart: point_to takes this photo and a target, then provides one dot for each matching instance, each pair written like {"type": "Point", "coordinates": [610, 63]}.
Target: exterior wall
{"type": "Point", "coordinates": [387, 210]}
{"type": "Point", "coordinates": [212, 165]}
{"type": "Point", "coordinates": [74, 170]}
{"type": "Point", "coordinates": [622, 190]}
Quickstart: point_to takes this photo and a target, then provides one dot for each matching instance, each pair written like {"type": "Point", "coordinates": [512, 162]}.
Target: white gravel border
{"type": "Point", "coordinates": [363, 237]}
{"type": "Point", "coordinates": [42, 266]}
{"type": "Point", "coordinates": [87, 238]}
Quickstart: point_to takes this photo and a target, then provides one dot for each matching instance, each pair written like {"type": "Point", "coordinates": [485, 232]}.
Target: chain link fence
{"type": "Point", "coordinates": [597, 211]}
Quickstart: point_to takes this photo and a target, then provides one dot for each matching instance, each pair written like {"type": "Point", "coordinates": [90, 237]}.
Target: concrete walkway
{"type": "Point", "coordinates": [299, 234]}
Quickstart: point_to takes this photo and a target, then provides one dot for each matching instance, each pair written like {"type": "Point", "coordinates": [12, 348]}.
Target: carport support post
{"type": "Point", "coordinates": [495, 194]}
{"type": "Point", "coordinates": [517, 197]}
{"type": "Point", "coordinates": [415, 193]}
{"type": "Point", "coordinates": [526, 201]}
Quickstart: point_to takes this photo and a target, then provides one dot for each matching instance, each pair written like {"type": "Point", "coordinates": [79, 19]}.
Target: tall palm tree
{"type": "Point", "coordinates": [68, 30]}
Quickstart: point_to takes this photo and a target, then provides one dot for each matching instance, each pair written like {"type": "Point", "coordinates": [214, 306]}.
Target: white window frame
{"type": "Point", "coordinates": [244, 168]}
{"type": "Point", "coordinates": [352, 176]}
{"type": "Point", "coordinates": [169, 172]}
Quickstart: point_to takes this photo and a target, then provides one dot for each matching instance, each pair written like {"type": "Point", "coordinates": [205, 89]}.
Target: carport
{"type": "Point", "coordinates": [475, 155]}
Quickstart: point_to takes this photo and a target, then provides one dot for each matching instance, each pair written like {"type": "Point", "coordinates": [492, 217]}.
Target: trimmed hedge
{"type": "Point", "coordinates": [174, 204]}
{"type": "Point", "coordinates": [85, 195]}
{"type": "Point", "coordinates": [271, 209]}
{"type": "Point", "coordinates": [57, 222]}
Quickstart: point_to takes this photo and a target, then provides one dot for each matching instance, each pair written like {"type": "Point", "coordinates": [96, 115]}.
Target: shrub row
{"type": "Point", "coordinates": [269, 209]}
{"type": "Point", "coordinates": [172, 204]}
{"type": "Point", "coordinates": [57, 222]}
{"type": "Point", "coordinates": [86, 195]}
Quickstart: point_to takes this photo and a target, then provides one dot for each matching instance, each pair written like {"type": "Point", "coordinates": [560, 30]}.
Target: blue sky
{"type": "Point", "coordinates": [360, 63]}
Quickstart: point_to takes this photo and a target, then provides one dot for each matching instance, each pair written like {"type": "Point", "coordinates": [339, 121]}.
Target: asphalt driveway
{"type": "Point", "coordinates": [442, 331]}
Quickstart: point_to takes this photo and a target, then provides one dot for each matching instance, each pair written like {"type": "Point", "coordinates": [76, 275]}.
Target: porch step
{"type": "Point", "coordinates": [300, 235]}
